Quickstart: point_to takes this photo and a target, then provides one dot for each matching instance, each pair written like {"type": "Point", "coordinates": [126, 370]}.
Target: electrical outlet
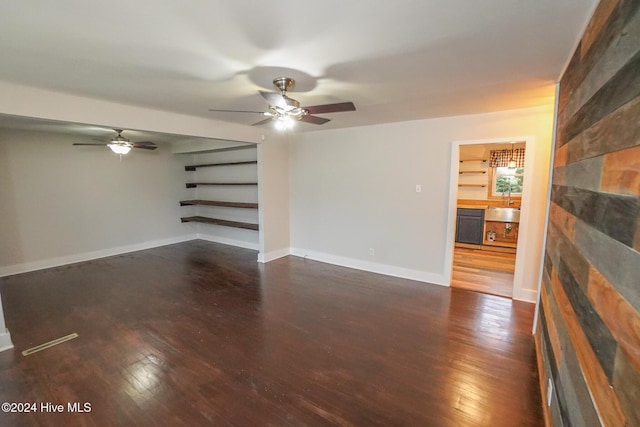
{"type": "Point", "coordinates": [372, 251]}
{"type": "Point", "coordinates": [418, 188]}
{"type": "Point", "coordinates": [549, 391]}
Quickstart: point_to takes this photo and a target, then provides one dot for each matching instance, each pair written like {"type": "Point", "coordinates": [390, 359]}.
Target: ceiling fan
{"type": "Point", "coordinates": [285, 111]}
{"type": "Point", "coordinates": [121, 145]}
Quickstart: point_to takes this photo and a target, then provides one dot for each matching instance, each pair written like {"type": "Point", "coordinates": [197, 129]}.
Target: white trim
{"type": "Point", "coordinates": [523, 232]}
{"type": "Point", "coordinates": [388, 270]}
{"type": "Point", "coordinates": [273, 255]}
{"type": "Point", "coordinates": [87, 256]}
{"type": "Point", "coordinates": [552, 157]}
{"type": "Point", "coordinates": [526, 295]}
{"type": "Point", "coordinates": [452, 210]}
{"type": "Point", "coordinates": [260, 170]}
{"type": "Point", "coordinates": [521, 253]}
{"type": "Point", "coordinates": [5, 341]}
{"type": "Point", "coordinates": [230, 242]}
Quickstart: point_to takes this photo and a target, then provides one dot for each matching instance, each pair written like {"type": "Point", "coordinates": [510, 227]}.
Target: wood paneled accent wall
{"type": "Point", "coordinates": [588, 336]}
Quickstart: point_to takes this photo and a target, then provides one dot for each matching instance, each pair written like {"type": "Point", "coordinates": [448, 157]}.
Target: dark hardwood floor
{"type": "Point", "coordinates": [201, 334]}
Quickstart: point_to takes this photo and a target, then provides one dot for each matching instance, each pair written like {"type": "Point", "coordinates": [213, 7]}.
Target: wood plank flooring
{"type": "Point", "coordinates": [201, 334]}
{"type": "Point", "coordinates": [483, 271]}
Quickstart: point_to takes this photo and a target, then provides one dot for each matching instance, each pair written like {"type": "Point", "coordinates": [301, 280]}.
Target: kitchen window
{"type": "Point", "coordinates": [504, 178]}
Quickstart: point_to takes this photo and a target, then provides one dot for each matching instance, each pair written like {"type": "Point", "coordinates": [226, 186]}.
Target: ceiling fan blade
{"type": "Point", "coordinates": [89, 144]}
{"type": "Point", "coordinates": [274, 99]}
{"type": "Point", "coordinates": [236, 111]}
{"type": "Point", "coordinates": [314, 120]}
{"type": "Point", "coordinates": [146, 145]}
{"type": "Point", "coordinates": [331, 108]}
{"type": "Point", "coordinates": [261, 122]}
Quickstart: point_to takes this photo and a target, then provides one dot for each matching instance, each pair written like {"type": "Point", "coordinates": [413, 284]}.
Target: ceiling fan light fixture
{"type": "Point", "coordinates": [280, 106]}
{"type": "Point", "coordinates": [284, 122]}
{"type": "Point", "coordinates": [119, 148]}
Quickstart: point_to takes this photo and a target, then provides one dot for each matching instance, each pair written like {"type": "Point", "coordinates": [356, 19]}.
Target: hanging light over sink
{"type": "Point", "coordinates": [512, 163]}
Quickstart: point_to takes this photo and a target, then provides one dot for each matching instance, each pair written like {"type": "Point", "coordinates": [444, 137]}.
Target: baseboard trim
{"type": "Point", "coordinates": [226, 241]}
{"type": "Point", "coordinates": [5, 341]}
{"type": "Point", "coordinates": [387, 270]}
{"type": "Point", "coordinates": [273, 255]}
{"type": "Point", "coordinates": [88, 256]}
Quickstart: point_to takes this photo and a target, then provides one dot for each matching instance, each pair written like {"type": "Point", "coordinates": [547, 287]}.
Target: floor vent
{"type": "Point", "coordinates": [49, 344]}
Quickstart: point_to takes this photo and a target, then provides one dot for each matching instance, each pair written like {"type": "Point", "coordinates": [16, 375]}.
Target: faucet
{"type": "Point", "coordinates": [509, 201]}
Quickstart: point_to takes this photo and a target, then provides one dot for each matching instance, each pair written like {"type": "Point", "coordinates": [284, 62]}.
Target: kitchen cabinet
{"type": "Point", "coordinates": [470, 226]}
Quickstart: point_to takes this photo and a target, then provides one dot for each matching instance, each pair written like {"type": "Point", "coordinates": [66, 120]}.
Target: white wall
{"type": "Point", "coordinates": [273, 170]}
{"type": "Point", "coordinates": [61, 203]}
{"type": "Point", "coordinates": [354, 189]}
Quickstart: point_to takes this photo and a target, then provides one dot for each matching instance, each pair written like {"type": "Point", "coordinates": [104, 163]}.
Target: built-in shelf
{"type": "Point", "coordinates": [472, 171]}
{"type": "Point", "coordinates": [219, 203]}
{"type": "Point", "coordinates": [191, 168]}
{"type": "Point", "coordinates": [223, 222]}
{"type": "Point", "coordinates": [244, 177]}
{"type": "Point", "coordinates": [474, 160]}
{"type": "Point", "coordinates": [472, 185]}
{"type": "Point", "coordinates": [196, 184]}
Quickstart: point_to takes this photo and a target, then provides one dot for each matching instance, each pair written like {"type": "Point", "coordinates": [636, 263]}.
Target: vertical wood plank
{"type": "Point", "coordinates": [621, 172]}
{"type": "Point", "coordinates": [609, 134]}
{"type": "Point", "coordinates": [620, 317]}
{"type": "Point", "coordinates": [592, 255]}
{"type": "Point", "coordinates": [600, 16]}
{"type": "Point", "coordinates": [605, 399]}
{"type": "Point", "coordinates": [622, 88]}
{"type": "Point", "coordinates": [626, 382]}
{"type": "Point", "coordinates": [552, 331]}
{"type": "Point", "coordinates": [564, 220]}
{"type": "Point", "coordinates": [542, 377]}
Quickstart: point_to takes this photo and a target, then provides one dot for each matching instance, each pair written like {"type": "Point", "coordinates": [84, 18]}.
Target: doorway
{"type": "Point", "coordinates": [488, 188]}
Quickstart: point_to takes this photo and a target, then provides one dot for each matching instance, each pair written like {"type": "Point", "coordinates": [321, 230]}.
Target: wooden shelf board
{"type": "Point", "coordinates": [219, 203]}
{"type": "Point", "coordinates": [474, 160]}
{"type": "Point", "coordinates": [195, 184]}
{"type": "Point", "coordinates": [472, 185]}
{"type": "Point", "coordinates": [192, 168]}
{"type": "Point", "coordinates": [223, 222]}
{"type": "Point", "coordinates": [472, 171]}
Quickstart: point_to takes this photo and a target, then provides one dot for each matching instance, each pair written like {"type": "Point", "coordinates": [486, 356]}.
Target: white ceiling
{"type": "Point", "coordinates": [396, 60]}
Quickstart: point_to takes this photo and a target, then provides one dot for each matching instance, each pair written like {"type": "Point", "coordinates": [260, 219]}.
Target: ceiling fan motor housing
{"type": "Point", "coordinates": [283, 83]}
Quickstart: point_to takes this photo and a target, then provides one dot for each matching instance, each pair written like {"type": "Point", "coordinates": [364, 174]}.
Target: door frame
{"type": "Point", "coordinates": [522, 252]}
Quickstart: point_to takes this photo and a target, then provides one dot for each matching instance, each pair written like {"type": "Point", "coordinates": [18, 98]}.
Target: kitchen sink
{"type": "Point", "coordinates": [502, 214]}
